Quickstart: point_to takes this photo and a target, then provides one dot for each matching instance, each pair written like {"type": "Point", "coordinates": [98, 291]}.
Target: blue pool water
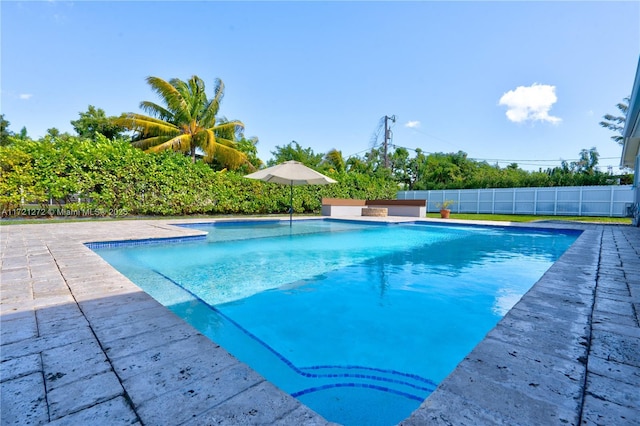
{"type": "Point", "coordinates": [359, 321]}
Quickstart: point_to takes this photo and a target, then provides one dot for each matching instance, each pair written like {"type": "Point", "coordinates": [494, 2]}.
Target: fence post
{"type": "Point", "coordinates": [535, 202]}
{"type": "Point", "coordinates": [478, 203]}
{"type": "Point", "coordinates": [555, 202]}
{"type": "Point", "coordinates": [611, 203]}
{"type": "Point", "coordinates": [580, 203]}
{"type": "Point", "coordinates": [513, 202]}
{"type": "Point", "coordinates": [493, 201]}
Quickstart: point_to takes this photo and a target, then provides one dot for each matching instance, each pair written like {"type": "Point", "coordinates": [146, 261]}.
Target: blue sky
{"type": "Point", "coordinates": [515, 81]}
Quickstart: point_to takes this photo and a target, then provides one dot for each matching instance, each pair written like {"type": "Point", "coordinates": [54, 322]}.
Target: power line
{"type": "Point", "coordinates": [524, 162]}
{"type": "Point", "coordinates": [538, 161]}
{"type": "Point", "coordinates": [387, 137]}
{"type": "Point", "coordinates": [506, 160]}
{"type": "Point", "coordinates": [436, 138]}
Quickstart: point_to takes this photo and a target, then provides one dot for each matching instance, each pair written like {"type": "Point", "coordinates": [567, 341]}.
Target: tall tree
{"type": "Point", "coordinates": [4, 131]}
{"type": "Point", "coordinates": [23, 134]}
{"type": "Point", "coordinates": [96, 121]}
{"type": "Point", "coordinates": [400, 166]}
{"type": "Point", "coordinates": [587, 162]}
{"type": "Point", "coordinates": [616, 123]}
{"type": "Point", "coordinates": [416, 167]}
{"type": "Point", "coordinates": [187, 121]}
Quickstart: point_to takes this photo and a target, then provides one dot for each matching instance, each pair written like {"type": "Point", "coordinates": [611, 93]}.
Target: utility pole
{"type": "Point", "coordinates": [387, 136]}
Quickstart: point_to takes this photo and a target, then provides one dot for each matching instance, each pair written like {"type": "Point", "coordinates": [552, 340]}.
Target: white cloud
{"type": "Point", "coordinates": [412, 124]}
{"type": "Point", "coordinates": [530, 103]}
{"type": "Point", "coordinates": [25, 96]}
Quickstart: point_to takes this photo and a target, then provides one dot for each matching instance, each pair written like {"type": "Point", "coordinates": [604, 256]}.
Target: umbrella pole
{"type": "Point", "coordinates": [291, 206]}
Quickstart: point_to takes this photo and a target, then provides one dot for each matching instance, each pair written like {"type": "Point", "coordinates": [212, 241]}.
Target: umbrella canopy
{"type": "Point", "coordinates": [292, 173]}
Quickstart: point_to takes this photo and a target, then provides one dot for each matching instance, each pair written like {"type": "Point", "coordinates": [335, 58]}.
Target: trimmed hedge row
{"type": "Point", "coordinates": [116, 177]}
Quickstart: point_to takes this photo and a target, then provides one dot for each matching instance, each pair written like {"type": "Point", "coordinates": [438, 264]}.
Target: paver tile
{"type": "Point", "coordinates": [527, 370]}
{"type": "Point", "coordinates": [138, 343]}
{"type": "Point", "coordinates": [134, 323]}
{"type": "Point", "coordinates": [19, 329]}
{"type": "Point", "coordinates": [22, 366]}
{"type": "Point", "coordinates": [23, 401]}
{"type": "Point", "coordinates": [81, 394]}
{"type": "Point", "coordinates": [598, 412]}
{"type": "Point", "coordinates": [614, 370]}
{"type": "Point", "coordinates": [59, 318]}
{"type": "Point", "coordinates": [39, 344]}
{"type": "Point", "coordinates": [112, 412]}
{"type": "Point", "coordinates": [190, 402]}
{"type": "Point", "coordinates": [156, 358]}
{"type": "Point", "coordinates": [620, 393]}
{"type": "Point", "coordinates": [617, 347]}
{"type": "Point", "coordinates": [264, 406]}
{"type": "Point", "coordinates": [72, 362]}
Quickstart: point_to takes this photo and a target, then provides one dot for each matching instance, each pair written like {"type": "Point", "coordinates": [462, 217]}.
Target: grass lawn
{"type": "Point", "coordinates": [531, 218]}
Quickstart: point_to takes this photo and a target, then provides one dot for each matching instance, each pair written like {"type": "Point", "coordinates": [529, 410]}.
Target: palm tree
{"type": "Point", "coordinates": [616, 123]}
{"type": "Point", "coordinates": [187, 121]}
{"type": "Point", "coordinates": [333, 159]}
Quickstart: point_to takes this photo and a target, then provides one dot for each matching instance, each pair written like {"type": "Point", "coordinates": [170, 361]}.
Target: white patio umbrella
{"type": "Point", "coordinates": [291, 173]}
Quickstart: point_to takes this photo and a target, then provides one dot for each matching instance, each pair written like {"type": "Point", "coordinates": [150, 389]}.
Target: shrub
{"type": "Point", "coordinates": [105, 176]}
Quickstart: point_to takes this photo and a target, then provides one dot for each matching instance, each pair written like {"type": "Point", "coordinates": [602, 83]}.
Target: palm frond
{"type": "Point", "coordinates": [226, 142]}
{"type": "Point", "coordinates": [209, 144]}
{"type": "Point", "coordinates": [616, 119]}
{"type": "Point", "coordinates": [180, 143]}
{"type": "Point", "coordinates": [229, 129]}
{"type": "Point", "coordinates": [222, 150]}
{"type": "Point", "coordinates": [213, 106]}
{"type": "Point", "coordinates": [169, 94]}
{"type": "Point", "coordinates": [230, 157]}
{"type": "Point", "coordinates": [198, 98]}
{"type": "Point", "coordinates": [146, 125]}
{"type": "Point", "coordinates": [147, 143]}
{"type": "Point", "coordinates": [184, 115]}
{"type": "Point", "coordinates": [156, 110]}
{"type": "Point", "coordinates": [146, 118]}
{"type": "Point", "coordinates": [227, 132]}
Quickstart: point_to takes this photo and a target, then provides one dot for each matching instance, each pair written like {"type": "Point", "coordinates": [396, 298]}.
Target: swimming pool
{"type": "Point", "coordinates": [359, 321]}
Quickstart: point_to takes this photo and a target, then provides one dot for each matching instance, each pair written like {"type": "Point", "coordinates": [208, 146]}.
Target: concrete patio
{"type": "Point", "coordinates": [81, 344]}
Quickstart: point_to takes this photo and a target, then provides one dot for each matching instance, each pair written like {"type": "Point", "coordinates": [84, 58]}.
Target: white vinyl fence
{"type": "Point", "coordinates": [611, 200]}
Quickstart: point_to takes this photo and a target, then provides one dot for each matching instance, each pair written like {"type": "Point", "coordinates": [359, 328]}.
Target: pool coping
{"type": "Point", "coordinates": [567, 352]}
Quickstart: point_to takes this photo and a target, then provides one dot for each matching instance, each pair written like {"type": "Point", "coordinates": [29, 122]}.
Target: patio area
{"type": "Point", "coordinates": [81, 344]}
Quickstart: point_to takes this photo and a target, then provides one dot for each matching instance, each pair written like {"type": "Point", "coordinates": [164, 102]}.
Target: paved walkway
{"type": "Point", "coordinates": [80, 344]}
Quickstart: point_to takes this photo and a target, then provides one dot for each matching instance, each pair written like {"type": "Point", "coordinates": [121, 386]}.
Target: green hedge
{"type": "Point", "coordinates": [114, 177]}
